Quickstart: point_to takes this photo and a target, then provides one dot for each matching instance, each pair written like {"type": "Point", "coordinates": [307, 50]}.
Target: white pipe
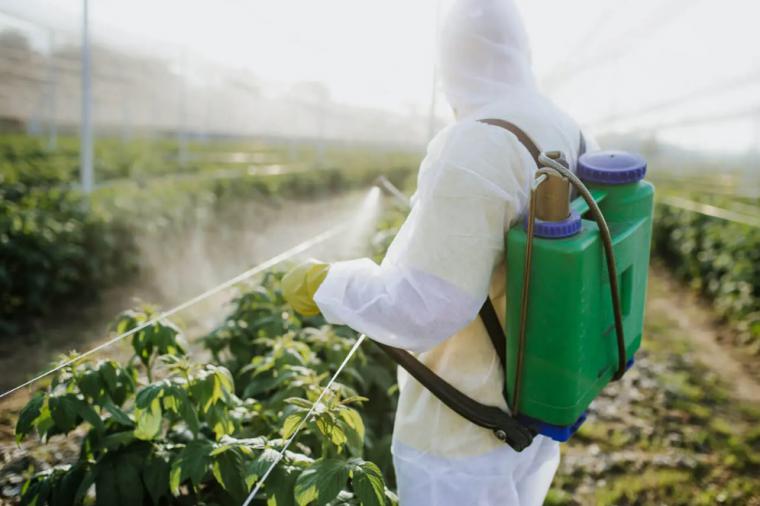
{"type": "Point", "coordinates": [85, 140]}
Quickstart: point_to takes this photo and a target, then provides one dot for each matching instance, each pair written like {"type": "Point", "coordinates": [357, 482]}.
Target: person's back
{"type": "Point", "coordinates": [448, 257]}
{"type": "Point", "coordinates": [439, 449]}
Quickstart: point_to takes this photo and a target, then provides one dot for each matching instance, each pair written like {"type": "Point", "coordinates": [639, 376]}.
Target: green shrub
{"type": "Point", "coordinates": [720, 259]}
{"type": "Point", "coordinates": [164, 429]}
{"type": "Point", "coordinates": [53, 249]}
{"type": "Point", "coordinates": [58, 246]}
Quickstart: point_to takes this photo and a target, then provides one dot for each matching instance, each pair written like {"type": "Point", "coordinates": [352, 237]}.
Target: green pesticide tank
{"type": "Point", "coordinates": [571, 351]}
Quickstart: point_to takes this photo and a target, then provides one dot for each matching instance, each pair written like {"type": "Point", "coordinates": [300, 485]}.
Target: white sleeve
{"type": "Point", "coordinates": [435, 277]}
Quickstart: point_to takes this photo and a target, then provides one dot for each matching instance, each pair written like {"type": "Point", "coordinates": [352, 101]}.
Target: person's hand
{"type": "Point", "coordinates": [301, 283]}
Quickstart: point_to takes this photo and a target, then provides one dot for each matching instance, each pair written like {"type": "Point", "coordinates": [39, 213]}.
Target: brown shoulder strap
{"type": "Point", "coordinates": [524, 138]}
{"type": "Point", "coordinates": [506, 428]}
{"type": "Point", "coordinates": [487, 312]}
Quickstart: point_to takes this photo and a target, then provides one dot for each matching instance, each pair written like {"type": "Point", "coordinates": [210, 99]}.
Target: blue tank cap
{"type": "Point", "coordinates": [556, 229]}
{"type": "Point", "coordinates": [611, 167]}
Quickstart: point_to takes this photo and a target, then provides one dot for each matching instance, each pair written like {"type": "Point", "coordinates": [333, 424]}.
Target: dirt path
{"type": "Point", "coordinates": [670, 302]}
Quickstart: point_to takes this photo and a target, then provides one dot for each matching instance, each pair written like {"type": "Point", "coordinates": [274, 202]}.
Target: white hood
{"type": "Point", "coordinates": [484, 54]}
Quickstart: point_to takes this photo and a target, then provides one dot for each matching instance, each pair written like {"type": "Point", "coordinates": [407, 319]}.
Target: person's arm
{"type": "Point", "coordinates": [437, 272]}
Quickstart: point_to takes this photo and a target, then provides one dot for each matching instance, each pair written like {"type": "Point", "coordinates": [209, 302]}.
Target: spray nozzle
{"type": "Point", "coordinates": [390, 189]}
{"type": "Point", "coordinates": [557, 156]}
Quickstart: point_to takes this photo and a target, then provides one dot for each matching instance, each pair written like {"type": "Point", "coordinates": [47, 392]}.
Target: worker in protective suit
{"type": "Point", "coordinates": [473, 185]}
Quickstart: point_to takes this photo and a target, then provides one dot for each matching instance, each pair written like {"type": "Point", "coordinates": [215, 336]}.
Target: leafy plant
{"type": "Point", "coordinates": [52, 248]}
{"type": "Point", "coordinates": [57, 244]}
{"type": "Point", "coordinates": [163, 429]}
{"type": "Point", "coordinates": [719, 259]}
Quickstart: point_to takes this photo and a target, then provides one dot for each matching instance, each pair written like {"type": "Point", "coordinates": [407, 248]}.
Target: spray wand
{"type": "Point", "coordinates": [391, 190]}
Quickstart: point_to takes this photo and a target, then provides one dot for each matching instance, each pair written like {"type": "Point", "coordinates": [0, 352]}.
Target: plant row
{"type": "Point", "coordinates": [718, 258]}
{"type": "Point", "coordinates": [58, 245]}
{"type": "Point", "coordinates": [29, 161]}
{"type": "Point", "coordinates": [164, 428]}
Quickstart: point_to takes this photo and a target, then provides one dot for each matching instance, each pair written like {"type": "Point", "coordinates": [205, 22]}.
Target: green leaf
{"type": "Point", "coordinates": [156, 478]}
{"type": "Point", "coordinates": [280, 486]}
{"type": "Point", "coordinates": [259, 466]}
{"type": "Point", "coordinates": [187, 412]}
{"type": "Point", "coordinates": [225, 379]}
{"type": "Point", "coordinates": [220, 422]}
{"type": "Point", "coordinates": [228, 471]}
{"type": "Point", "coordinates": [87, 413]}
{"type": "Point", "coordinates": [367, 482]}
{"type": "Point", "coordinates": [65, 491]}
{"type": "Point", "coordinates": [147, 395]}
{"type": "Point", "coordinates": [354, 399]}
{"type": "Point", "coordinates": [244, 445]}
{"type": "Point", "coordinates": [87, 481]}
{"type": "Point", "coordinates": [355, 428]}
{"type": "Point", "coordinates": [36, 492]}
{"type": "Point", "coordinates": [170, 401]}
{"type": "Point", "coordinates": [327, 426]}
{"type": "Point", "coordinates": [148, 421]}
{"type": "Point", "coordinates": [118, 439]}
{"type": "Point", "coordinates": [90, 384]}
{"type": "Point", "coordinates": [217, 391]}
{"type": "Point", "coordinates": [126, 321]}
{"type": "Point", "coordinates": [321, 482]}
{"type": "Point", "coordinates": [175, 478]}
{"type": "Point", "coordinates": [291, 423]}
{"type": "Point", "coordinates": [260, 385]}
{"type": "Point", "coordinates": [64, 412]}
{"type": "Point", "coordinates": [118, 415]}
{"type": "Point", "coordinates": [301, 403]}
{"type": "Point", "coordinates": [28, 416]}
{"type": "Point", "coordinates": [118, 482]}
{"type": "Point", "coordinates": [391, 497]}
{"type": "Point", "coordinates": [202, 391]}
{"type": "Point", "coordinates": [44, 423]}
{"type": "Point", "coordinates": [108, 374]}
{"type": "Point", "coordinates": [192, 463]}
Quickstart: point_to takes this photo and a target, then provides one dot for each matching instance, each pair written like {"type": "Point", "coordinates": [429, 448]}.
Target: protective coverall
{"type": "Point", "coordinates": [448, 256]}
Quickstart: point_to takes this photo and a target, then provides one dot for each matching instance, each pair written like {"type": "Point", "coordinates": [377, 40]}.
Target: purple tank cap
{"type": "Point", "coordinates": [557, 229]}
{"type": "Point", "coordinates": [611, 167]}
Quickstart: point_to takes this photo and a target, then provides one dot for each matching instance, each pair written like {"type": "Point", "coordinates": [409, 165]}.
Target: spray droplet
{"type": "Point", "coordinates": [356, 241]}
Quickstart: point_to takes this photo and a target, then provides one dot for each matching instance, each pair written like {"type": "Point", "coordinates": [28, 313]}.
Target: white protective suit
{"type": "Point", "coordinates": [448, 256]}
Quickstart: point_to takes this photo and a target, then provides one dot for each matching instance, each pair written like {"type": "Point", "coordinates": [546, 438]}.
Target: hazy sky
{"type": "Point", "coordinates": [600, 59]}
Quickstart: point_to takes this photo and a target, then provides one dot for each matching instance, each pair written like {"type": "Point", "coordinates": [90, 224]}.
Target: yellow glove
{"type": "Point", "coordinates": [300, 284]}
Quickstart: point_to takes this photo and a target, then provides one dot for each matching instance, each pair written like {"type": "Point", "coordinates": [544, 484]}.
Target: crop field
{"type": "Point", "coordinates": [177, 413]}
{"type": "Point", "coordinates": [711, 241]}
{"type": "Point", "coordinates": [57, 244]}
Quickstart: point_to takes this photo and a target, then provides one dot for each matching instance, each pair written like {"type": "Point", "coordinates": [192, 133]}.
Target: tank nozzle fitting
{"type": "Point", "coordinates": [553, 195]}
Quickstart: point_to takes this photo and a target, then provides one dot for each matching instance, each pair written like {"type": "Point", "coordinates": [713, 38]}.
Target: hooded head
{"type": "Point", "coordinates": [484, 54]}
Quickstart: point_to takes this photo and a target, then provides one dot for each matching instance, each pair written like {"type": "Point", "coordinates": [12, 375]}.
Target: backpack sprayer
{"type": "Point", "coordinates": [576, 287]}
